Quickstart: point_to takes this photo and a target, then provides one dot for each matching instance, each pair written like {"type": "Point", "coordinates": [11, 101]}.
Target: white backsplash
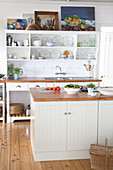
{"type": "Point", "coordinates": [47, 68]}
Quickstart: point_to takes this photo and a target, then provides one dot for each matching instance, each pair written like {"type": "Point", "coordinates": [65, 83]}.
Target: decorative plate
{"type": "Point", "coordinates": [45, 54]}
{"type": "Point", "coordinates": [35, 52]}
{"type": "Point", "coordinates": [57, 40]}
{"type": "Point", "coordinates": [45, 40]}
{"type": "Point", "coordinates": [55, 54]}
{"type": "Point", "coordinates": [67, 52]}
{"type": "Point", "coordinates": [67, 41]}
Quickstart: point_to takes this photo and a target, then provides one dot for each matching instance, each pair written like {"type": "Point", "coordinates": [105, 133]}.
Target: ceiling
{"type": "Point", "coordinates": [54, 1]}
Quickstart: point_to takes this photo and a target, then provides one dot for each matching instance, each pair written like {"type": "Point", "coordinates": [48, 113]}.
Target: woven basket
{"type": "Point", "coordinates": [101, 157]}
{"type": "Point", "coordinates": [16, 108]}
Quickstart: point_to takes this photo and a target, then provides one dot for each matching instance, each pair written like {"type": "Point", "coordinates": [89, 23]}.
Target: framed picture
{"type": "Point", "coordinates": [77, 18]}
{"type": "Point", "coordinates": [46, 20]}
{"type": "Point", "coordinates": [30, 18]}
{"type": "Point", "coordinates": [16, 24]}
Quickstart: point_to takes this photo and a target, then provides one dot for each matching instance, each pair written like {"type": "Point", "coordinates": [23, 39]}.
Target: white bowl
{"type": "Point", "coordinates": [106, 91]}
{"type": "Point", "coordinates": [50, 44]}
{"type": "Point", "coordinates": [92, 94]}
{"type": "Point", "coordinates": [71, 90]}
{"type": "Point", "coordinates": [37, 43]}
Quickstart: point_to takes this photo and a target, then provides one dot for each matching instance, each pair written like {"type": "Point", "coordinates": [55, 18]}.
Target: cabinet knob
{"type": "Point", "coordinates": [37, 86]}
{"type": "Point", "coordinates": [65, 113]}
{"type": "Point", "coordinates": [69, 113]}
{"type": "Point", "coordinates": [18, 86]}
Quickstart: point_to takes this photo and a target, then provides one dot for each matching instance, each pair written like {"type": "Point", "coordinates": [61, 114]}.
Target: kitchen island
{"type": "Point", "coordinates": [64, 126]}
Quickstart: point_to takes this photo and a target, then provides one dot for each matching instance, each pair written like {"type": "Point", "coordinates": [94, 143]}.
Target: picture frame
{"type": "Point", "coordinates": [16, 24]}
{"type": "Point", "coordinates": [46, 20]}
{"type": "Point", "coordinates": [30, 18]}
{"type": "Point", "coordinates": [77, 18]}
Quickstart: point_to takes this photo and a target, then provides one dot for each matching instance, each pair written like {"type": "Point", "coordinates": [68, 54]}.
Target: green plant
{"type": "Point", "coordinates": [74, 86]}
{"type": "Point", "coordinates": [18, 70]}
{"type": "Point", "coordinates": [91, 85]}
{"type": "Point", "coordinates": [11, 68]}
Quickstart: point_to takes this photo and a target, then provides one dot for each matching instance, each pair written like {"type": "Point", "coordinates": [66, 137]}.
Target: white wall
{"type": "Point", "coordinates": [104, 17]}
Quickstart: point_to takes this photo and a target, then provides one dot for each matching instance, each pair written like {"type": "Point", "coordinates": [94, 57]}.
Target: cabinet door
{"type": "Point", "coordinates": [50, 126]}
{"type": "Point", "coordinates": [105, 127]}
{"type": "Point", "coordinates": [82, 125]}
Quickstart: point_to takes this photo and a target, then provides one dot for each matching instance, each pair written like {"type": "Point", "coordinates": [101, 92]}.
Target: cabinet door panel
{"type": "Point", "coordinates": [82, 125]}
{"type": "Point", "coordinates": [51, 126]}
{"type": "Point", "coordinates": [105, 128]}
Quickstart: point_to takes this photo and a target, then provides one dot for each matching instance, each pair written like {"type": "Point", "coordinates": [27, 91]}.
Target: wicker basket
{"type": "Point", "coordinates": [16, 108]}
{"type": "Point", "coordinates": [101, 157]}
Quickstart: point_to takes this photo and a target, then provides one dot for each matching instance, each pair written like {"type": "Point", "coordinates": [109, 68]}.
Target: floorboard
{"type": "Point", "coordinates": [16, 152]}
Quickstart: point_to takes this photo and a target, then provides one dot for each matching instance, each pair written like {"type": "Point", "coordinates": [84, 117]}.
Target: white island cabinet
{"type": "Point", "coordinates": [105, 126]}
{"type": "Point", "coordinates": [63, 129]}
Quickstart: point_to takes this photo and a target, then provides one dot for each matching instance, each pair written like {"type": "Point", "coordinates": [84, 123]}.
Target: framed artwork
{"type": "Point", "coordinates": [16, 24]}
{"type": "Point", "coordinates": [30, 18]}
{"type": "Point", "coordinates": [77, 18]}
{"type": "Point", "coordinates": [46, 20]}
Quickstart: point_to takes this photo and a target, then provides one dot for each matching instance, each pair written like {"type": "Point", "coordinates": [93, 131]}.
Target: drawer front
{"type": "Point", "coordinates": [33, 85]}
{"type": "Point", "coordinates": [17, 86]}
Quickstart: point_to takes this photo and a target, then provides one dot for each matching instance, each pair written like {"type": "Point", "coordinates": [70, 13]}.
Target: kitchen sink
{"type": "Point", "coordinates": [65, 78]}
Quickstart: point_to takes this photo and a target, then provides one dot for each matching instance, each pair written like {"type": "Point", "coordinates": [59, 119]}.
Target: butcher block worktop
{"type": "Point", "coordinates": [41, 79]}
{"type": "Point", "coordinates": [37, 95]}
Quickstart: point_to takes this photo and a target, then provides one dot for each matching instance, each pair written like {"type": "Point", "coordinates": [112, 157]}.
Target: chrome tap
{"type": "Point", "coordinates": [60, 71]}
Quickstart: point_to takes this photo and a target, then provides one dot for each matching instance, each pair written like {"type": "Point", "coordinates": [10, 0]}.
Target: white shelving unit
{"type": "Point", "coordinates": [2, 102]}
{"type": "Point", "coordinates": [86, 50]}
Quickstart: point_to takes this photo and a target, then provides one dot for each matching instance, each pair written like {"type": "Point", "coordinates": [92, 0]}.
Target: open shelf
{"type": "Point", "coordinates": [20, 117]}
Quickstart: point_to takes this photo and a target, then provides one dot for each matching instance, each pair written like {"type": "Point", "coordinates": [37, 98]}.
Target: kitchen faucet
{"type": "Point", "coordinates": [60, 71]}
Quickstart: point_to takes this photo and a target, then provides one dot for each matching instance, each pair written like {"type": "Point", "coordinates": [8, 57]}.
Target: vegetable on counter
{"type": "Point", "coordinates": [91, 85]}
{"type": "Point", "coordinates": [74, 86]}
{"type": "Point", "coordinates": [53, 88]}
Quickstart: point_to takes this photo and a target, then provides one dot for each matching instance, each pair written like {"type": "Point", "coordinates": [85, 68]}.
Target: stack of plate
{"type": "Point", "coordinates": [16, 108]}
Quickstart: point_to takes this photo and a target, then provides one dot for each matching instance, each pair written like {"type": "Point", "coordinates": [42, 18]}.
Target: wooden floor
{"type": "Point", "coordinates": [16, 152]}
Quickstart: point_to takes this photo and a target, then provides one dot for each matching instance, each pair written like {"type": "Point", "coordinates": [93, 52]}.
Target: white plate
{"type": "Point", "coordinates": [57, 40]}
{"type": "Point", "coordinates": [106, 91]}
{"type": "Point", "coordinates": [67, 41]}
{"type": "Point", "coordinates": [45, 54]}
{"type": "Point", "coordinates": [45, 40]}
{"type": "Point", "coordinates": [35, 52]}
{"type": "Point", "coordinates": [71, 90]}
{"type": "Point", "coordinates": [55, 54]}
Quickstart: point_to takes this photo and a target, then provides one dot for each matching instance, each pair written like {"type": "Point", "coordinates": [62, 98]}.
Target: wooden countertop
{"type": "Point", "coordinates": [63, 96]}
{"type": "Point", "coordinates": [39, 79]}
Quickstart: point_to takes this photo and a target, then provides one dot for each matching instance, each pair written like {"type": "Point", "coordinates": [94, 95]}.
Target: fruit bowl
{"type": "Point", "coordinates": [71, 90]}
{"type": "Point", "coordinates": [106, 91]}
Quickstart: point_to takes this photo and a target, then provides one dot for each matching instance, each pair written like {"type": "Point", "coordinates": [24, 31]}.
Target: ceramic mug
{"type": "Point", "coordinates": [25, 43]}
{"type": "Point", "coordinates": [20, 43]}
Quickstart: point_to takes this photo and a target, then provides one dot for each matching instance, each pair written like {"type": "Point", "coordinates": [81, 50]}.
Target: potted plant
{"type": "Point", "coordinates": [90, 87]}
{"type": "Point", "coordinates": [11, 70]}
{"type": "Point", "coordinates": [17, 71]}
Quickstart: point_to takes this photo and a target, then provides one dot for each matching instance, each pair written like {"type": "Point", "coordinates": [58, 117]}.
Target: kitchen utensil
{"type": "Point", "coordinates": [10, 56]}
{"type": "Point", "coordinates": [63, 56]}
{"type": "Point", "coordinates": [106, 91]}
{"type": "Point", "coordinates": [26, 43]}
{"type": "Point", "coordinates": [70, 56]}
{"type": "Point", "coordinates": [57, 40]}
{"type": "Point", "coordinates": [50, 44]}
{"type": "Point", "coordinates": [20, 43]}
{"type": "Point", "coordinates": [37, 43]}
{"type": "Point", "coordinates": [67, 41]}
{"type": "Point", "coordinates": [55, 54]}
{"type": "Point", "coordinates": [9, 40]}
{"type": "Point", "coordinates": [45, 40]}
{"type": "Point", "coordinates": [45, 54]}
{"type": "Point", "coordinates": [71, 90]}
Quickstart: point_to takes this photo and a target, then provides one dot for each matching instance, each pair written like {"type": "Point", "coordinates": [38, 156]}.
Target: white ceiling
{"type": "Point", "coordinates": [58, 1]}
